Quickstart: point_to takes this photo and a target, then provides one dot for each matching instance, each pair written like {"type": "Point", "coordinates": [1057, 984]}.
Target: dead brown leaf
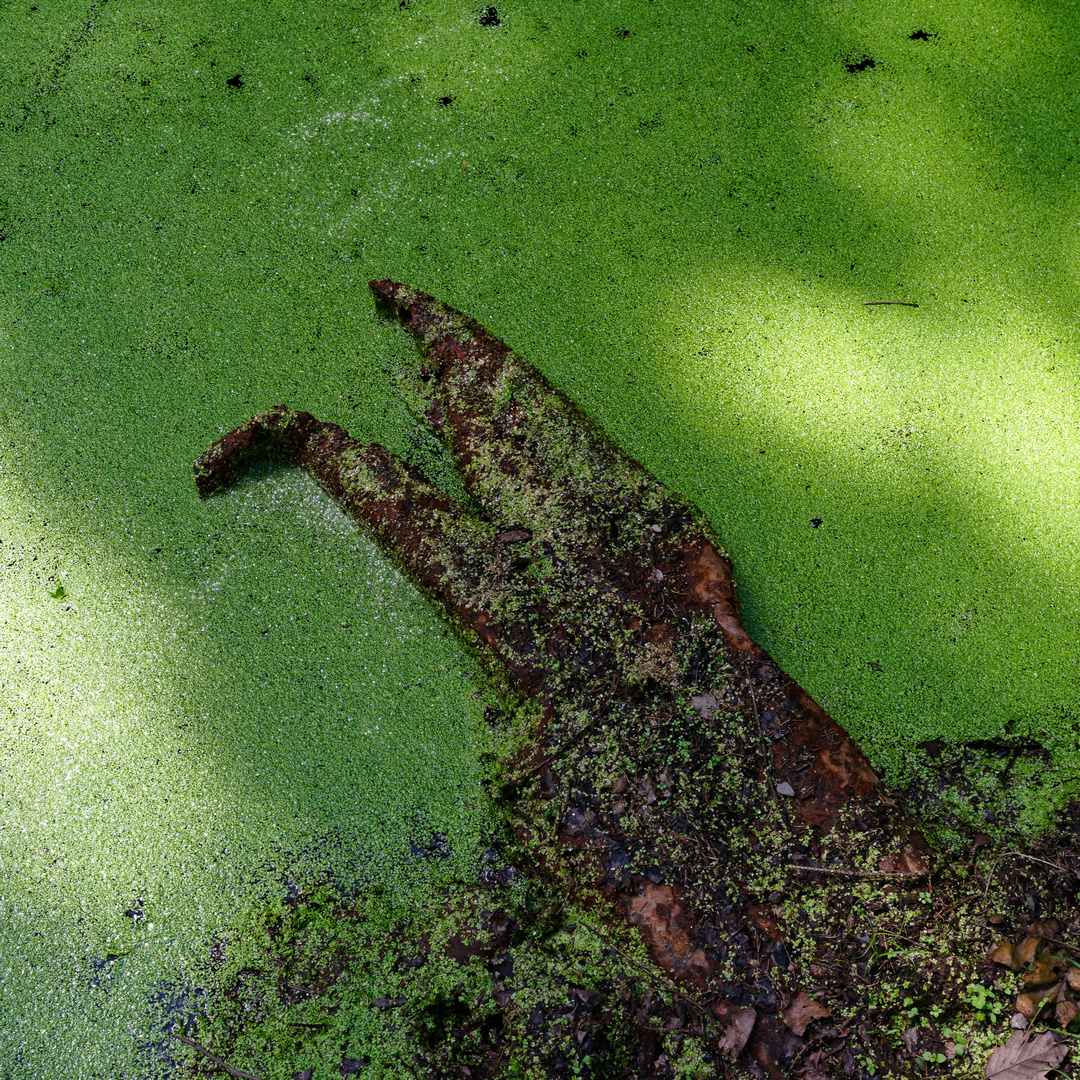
{"type": "Point", "coordinates": [738, 1031]}
{"type": "Point", "coordinates": [705, 705]}
{"type": "Point", "coordinates": [1027, 1055]}
{"type": "Point", "coordinates": [1028, 1003]}
{"type": "Point", "coordinates": [911, 862]}
{"type": "Point", "coordinates": [1047, 971]}
{"type": "Point", "coordinates": [1004, 953]}
{"type": "Point", "coordinates": [1065, 1013]}
{"type": "Point", "coordinates": [1073, 978]}
{"type": "Point", "coordinates": [802, 1012]}
{"type": "Point", "coordinates": [1045, 928]}
{"type": "Point", "coordinates": [1027, 948]}
{"type": "Point", "coordinates": [813, 1072]}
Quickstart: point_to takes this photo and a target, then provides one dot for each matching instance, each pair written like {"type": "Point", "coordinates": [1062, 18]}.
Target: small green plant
{"type": "Point", "coordinates": [880, 949]}
{"type": "Point", "coordinates": [988, 1008]}
{"type": "Point", "coordinates": [869, 1065]}
{"type": "Point", "coordinates": [954, 1037]}
{"type": "Point", "coordinates": [930, 1058]}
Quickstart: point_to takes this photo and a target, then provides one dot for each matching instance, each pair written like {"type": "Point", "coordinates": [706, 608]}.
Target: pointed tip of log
{"type": "Point", "coordinates": [385, 290]}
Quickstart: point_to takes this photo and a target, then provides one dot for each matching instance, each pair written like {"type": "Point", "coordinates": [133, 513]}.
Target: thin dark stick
{"type": "Point", "coordinates": [898, 303]}
{"type": "Point", "coordinates": [1035, 858]}
{"type": "Point", "coordinates": [1061, 944]}
{"type": "Point", "coordinates": [214, 1058]}
{"type": "Point", "coordinates": [554, 754]}
{"type": "Point", "coordinates": [561, 749]}
{"type": "Point", "coordinates": [883, 875]}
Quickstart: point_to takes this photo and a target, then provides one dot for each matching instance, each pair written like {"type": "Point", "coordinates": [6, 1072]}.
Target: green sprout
{"type": "Point", "coordinates": [986, 1005]}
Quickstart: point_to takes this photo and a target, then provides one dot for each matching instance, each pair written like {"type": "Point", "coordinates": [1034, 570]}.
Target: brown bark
{"type": "Point", "coordinates": [671, 766]}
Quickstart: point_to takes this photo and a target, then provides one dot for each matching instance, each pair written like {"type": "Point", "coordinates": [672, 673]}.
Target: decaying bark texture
{"type": "Point", "coordinates": [671, 770]}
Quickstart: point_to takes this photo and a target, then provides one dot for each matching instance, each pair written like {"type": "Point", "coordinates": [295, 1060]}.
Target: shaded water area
{"type": "Point", "coordinates": [176, 763]}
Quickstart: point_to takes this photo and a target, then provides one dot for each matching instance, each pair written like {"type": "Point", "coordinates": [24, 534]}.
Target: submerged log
{"type": "Point", "coordinates": [670, 774]}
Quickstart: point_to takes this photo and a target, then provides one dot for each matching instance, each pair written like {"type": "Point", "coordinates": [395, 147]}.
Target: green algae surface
{"type": "Point", "coordinates": [679, 216]}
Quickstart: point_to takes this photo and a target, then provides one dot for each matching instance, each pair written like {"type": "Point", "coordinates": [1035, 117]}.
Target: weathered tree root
{"type": "Point", "coordinates": [672, 766]}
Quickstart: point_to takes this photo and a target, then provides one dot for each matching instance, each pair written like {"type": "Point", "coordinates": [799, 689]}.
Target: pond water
{"type": "Point", "coordinates": [183, 738]}
{"type": "Point", "coordinates": [680, 216]}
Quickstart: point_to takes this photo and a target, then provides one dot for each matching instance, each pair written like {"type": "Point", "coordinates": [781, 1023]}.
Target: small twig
{"type": "Point", "coordinates": [1020, 855]}
{"type": "Point", "coordinates": [893, 875]}
{"type": "Point", "coordinates": [897, 303]}
{"type": "Point", "coordinates": [1035, 858]}
{"type": "Point", "coordinates": [563, 747]}
{"type": "Point", "coordinates": [240, 1075]}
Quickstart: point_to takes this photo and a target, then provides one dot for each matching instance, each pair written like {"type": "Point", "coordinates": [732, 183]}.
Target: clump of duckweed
{"type": "Point", "coordinates": [679, 225]}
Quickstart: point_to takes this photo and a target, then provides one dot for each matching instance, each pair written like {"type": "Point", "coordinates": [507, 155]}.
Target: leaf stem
{"type": "Point", "coordinates": [240, 1075]}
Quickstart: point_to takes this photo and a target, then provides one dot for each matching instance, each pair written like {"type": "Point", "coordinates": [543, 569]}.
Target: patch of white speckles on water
{"type": "Point", "coordinates": [169, 730]}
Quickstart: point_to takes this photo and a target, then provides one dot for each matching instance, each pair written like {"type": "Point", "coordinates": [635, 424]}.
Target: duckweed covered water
{"type": "Point", "coordinates": [175, 749]}
{"type": "Point", "coordinates": [679, 216]}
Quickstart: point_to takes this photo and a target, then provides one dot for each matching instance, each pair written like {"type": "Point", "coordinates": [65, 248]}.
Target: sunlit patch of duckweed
{"type": "Point", "coordinates": [287, 705]}
{"type": "Point", "coordinates": [919, 448]}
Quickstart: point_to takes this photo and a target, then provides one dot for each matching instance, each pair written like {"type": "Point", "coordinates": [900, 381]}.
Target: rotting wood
{"type": "Point", "coordinates": [609, 602]}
